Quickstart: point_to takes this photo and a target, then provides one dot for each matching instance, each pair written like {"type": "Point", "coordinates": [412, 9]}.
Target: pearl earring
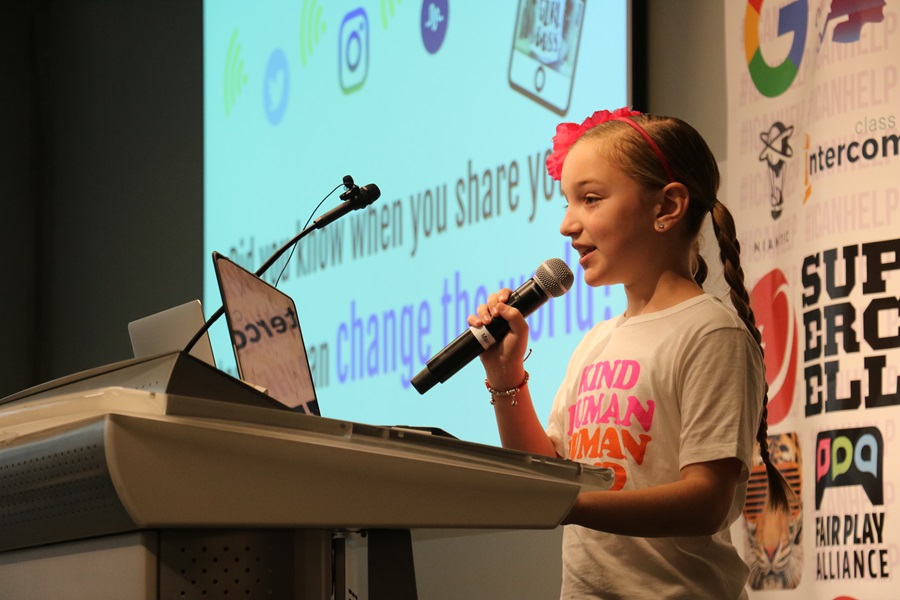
{"type": "Point", "coordinates": [661, 225]}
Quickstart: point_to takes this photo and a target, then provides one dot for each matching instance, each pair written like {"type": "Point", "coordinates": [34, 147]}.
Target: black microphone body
{"type": "Point", "coordinates": [553, 278]}
{"type": "Point", "coordinates": [353, 199]}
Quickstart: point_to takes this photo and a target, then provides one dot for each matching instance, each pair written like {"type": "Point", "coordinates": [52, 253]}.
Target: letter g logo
{"type": "Point", "coordinates": [792, 18]}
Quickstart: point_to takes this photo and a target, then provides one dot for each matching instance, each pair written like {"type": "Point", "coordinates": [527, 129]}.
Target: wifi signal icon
{"type": "Point", "coordinates": [235, 77]}
{"type": "Point", "coordinates": [312, 27]}
{"type": "Point", "coordinates": [387, 10]}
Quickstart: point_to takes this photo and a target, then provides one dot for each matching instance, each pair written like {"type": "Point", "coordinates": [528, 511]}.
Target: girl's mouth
{"type": "Point", "coordinates": [585, 254]}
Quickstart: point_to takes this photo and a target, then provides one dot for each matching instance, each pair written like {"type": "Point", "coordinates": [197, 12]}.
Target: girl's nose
{"type": "Point", "coordinates": [569, 226]}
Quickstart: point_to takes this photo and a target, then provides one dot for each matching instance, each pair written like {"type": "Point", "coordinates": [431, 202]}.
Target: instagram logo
{"type": "Point", "coordinates": [353, 50]}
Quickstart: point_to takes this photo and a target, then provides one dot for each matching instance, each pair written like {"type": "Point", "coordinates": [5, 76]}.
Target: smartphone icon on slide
{"type": "Point", "coordinates": [544, 51]}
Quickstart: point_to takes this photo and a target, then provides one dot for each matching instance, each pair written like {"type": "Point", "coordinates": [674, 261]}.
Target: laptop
{"type": "Point", "coordinates": [170, 331]}
{"type": "Point", "coordinates": [266, 337]}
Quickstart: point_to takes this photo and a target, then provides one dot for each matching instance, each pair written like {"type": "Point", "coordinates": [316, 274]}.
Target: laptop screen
{"type": "Point", "coordinates": [265, 334]}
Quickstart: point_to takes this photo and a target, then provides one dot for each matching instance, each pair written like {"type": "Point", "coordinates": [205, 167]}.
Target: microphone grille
{"type": "Point", "coordinates": [554, 276]}
{"type": "Point", "coordinates": [372, 191]}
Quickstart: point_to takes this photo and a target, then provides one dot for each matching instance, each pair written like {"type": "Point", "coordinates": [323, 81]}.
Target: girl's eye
{"type": "Point", "coordinates": [591, 199]}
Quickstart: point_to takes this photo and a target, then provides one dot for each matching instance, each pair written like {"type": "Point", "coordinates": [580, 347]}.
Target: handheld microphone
{"type": "Point", "coordinates": [553, 278]}
{"type": "Point", "coordinates": [353, 199]}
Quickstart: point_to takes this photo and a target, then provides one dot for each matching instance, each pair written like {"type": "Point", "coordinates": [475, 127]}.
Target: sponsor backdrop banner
{"type": "Point", "coordinates": [813, 178]}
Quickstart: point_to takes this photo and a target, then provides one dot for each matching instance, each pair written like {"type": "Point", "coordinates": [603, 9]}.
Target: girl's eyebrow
{"type": "Point", "coordinates": [587, 181]}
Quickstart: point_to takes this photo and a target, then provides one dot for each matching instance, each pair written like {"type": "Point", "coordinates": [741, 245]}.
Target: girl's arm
{"type": "Point", "coordinates": [518, 425]}
{"type": "Point", "coordinates": [697, 504]}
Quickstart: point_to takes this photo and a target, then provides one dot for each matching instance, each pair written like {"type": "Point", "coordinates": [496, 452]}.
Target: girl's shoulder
{"type": "Point", "coordinates": [705, 309]}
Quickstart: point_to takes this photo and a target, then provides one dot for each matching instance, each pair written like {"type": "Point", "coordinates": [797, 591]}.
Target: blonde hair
{"type": "Point", "coordinates": [692, 164]}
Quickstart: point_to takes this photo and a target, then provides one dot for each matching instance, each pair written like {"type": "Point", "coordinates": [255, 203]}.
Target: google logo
{"type": "Point", "coordinates": [792, 18]}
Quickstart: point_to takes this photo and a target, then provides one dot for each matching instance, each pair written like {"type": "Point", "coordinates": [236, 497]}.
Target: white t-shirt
{"type": "Point", "coordinates": [646, 396]}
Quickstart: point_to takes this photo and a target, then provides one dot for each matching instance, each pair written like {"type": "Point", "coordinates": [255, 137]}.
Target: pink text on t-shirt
{"type": "Point", "coordinates": [618, 374]}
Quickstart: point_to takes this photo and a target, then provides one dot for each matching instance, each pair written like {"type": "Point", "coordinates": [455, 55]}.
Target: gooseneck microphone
{"type": "Point", "coordinates": [553, 278]}
{"type": "Point", "coordinates": [352, 199]}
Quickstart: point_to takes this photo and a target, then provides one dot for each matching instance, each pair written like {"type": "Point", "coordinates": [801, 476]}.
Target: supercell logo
{"type": "Point", "coordinates": [775, 153]}
{"type": "Point", "coordinates": [835, 327]}
{"type": "Point", "coordinates": [847, 457]}
{"type": "Point", "coordinates": [771, 304]}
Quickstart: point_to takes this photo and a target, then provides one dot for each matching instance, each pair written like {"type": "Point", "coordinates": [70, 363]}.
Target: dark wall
{"type": "Point", "coordinates": [18, 198]}
{"type": "Point", "coordinates": [101, 176]}
{"type": "Point", "coordinates": [686, 66]}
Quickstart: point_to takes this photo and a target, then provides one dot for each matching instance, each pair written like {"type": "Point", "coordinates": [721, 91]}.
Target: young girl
{"type": "Point", "coordinates": [671, 394]}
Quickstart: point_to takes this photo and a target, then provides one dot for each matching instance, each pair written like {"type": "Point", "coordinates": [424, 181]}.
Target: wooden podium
{"type": "Point", "coordinates": [130, 482]}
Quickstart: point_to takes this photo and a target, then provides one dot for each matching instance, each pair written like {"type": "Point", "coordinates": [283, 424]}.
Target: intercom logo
{"type": "Point", "coordinates": [434, 21]}
{"type": "Point", "coordinates": [353, 50]}
{"type": "Point", "coordinates": [276, 87]}
{"type": "Point", "coordinates": [774, 81]}
{"type": "Point", "coordinates": [312, 28]}
{"type": "Point", "coordinates": [235, 76]}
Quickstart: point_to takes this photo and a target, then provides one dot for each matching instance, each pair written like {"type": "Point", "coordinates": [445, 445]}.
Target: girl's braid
{"type": "Point", "coordinates": [780, 493]}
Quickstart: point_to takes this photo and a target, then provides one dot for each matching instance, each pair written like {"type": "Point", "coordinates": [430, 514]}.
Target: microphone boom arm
{"type": "Point", "coordinates": [353, 199]}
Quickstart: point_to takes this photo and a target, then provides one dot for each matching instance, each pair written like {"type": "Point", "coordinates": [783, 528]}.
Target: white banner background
{"type": "Point", "coordinates": [813, 107]}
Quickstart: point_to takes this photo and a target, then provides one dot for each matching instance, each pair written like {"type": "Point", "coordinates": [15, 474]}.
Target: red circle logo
{"type": "Point", "coordinates": [775, 319]}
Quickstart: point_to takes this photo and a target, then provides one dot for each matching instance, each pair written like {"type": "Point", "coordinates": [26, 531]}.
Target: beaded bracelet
{"type": "Point", "coordinates": [510, 392]}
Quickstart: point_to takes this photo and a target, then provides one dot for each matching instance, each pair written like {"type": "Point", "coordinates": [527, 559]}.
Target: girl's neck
{"type": "Point", "coordinates": [665, 291]}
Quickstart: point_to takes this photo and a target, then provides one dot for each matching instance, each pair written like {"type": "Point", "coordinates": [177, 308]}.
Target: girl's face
{"type": "Point", "coordinates": [609, 219]}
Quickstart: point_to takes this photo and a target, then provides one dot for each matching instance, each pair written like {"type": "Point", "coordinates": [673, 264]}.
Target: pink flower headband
{"type": "Point", "coordinates": [567, 133]}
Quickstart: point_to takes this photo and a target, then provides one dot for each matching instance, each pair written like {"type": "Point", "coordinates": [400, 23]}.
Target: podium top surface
{"type": "Point", "coordinates": [122, 459]}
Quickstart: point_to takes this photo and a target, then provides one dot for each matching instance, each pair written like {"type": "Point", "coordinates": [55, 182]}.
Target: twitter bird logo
{"type": "Point", "coordinates": [276, 87]}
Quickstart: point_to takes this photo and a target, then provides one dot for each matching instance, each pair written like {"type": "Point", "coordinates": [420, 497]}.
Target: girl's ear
{"type": "Point", "coordinates": [673, 205]}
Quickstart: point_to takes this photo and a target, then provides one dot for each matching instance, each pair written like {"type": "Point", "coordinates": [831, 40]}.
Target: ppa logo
{"type": "Point", "coordinates": [771, 304]}
{"type": "Point", "coordinates": [850, 457]}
